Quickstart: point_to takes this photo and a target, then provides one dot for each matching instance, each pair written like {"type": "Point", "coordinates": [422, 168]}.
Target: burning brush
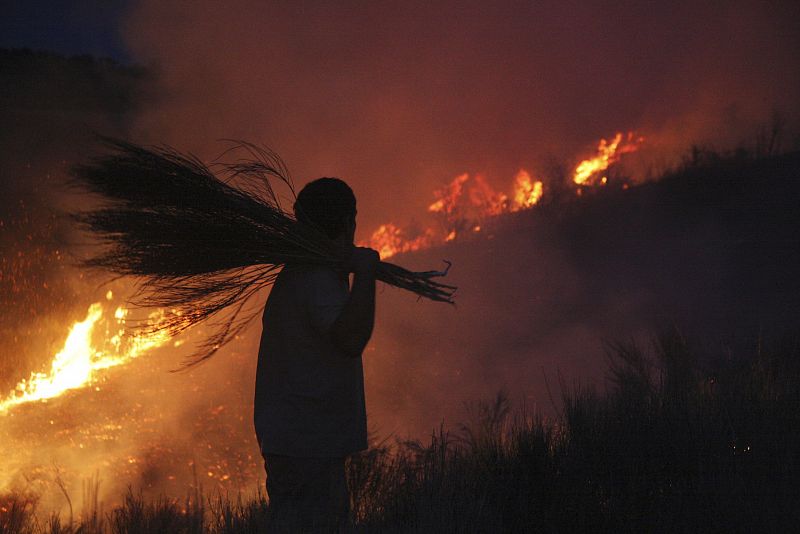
{"type": "Point", "coordinates": [203, 240]}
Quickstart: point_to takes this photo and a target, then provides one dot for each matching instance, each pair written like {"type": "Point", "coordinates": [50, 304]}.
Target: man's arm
{"type": "Point", "coordinates": [353, 328]}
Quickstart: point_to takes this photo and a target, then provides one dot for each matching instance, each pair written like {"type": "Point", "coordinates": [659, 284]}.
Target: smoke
{"type": "Point", "coordinates": [400, 97]}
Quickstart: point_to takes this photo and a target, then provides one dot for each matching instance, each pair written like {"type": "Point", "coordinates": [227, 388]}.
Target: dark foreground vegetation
{"type": "Point", "coordinates": [677, 442]}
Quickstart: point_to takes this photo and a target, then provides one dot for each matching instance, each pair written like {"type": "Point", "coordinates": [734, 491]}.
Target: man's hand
{"type": "Point", "coordinates": [353, 328]}
{"type": "Point", "coordinates": [363, 261]}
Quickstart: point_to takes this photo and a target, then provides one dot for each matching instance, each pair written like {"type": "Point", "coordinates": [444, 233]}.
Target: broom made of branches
{"type": "Point", "coordinates": [204, 240]}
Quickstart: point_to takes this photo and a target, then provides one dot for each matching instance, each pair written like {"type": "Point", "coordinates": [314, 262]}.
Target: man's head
{"type": "Point", "coordinates": [330, 205]}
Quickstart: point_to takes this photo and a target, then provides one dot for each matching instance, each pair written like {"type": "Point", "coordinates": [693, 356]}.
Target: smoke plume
{"type": "Point", "coordinates": [398, 98]}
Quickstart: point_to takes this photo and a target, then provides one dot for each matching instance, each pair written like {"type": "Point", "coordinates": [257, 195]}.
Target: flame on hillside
{"type": "Point", "coordinates": [77, 364]}
{"type": "Point", "coordinates": [589, 171]}
{"type": "Point", "coordinates": [390, 239]}
{"type": "Point", "coordinates": [447, 197]}
{"type": "Point", "coordinates": [461, 206]}
{"type": "Point", "coordinates": [80, 419]}
{"type": "Point", "coordinates": [527, 192]}
{"type": "Point", "coordinates": [467, 202]}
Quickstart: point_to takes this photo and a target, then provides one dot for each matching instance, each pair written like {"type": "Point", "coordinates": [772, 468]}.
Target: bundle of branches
{"type": "Point", "coordinates": [203, 240]}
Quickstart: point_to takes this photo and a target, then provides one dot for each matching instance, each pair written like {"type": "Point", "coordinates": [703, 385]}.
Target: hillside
{"type": "Point", "coordinates": [710, 250]}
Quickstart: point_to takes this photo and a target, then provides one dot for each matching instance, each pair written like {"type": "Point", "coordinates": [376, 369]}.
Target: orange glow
{"type": "Point", "coordinates": [488, 202]}
{"type": "Point", "coordinates": [389, 240]}
{"type": "Point", "coordinates": [461, 205]}
{"type": "Point", "coordinates": [447, 198]}
{"type": "Point", "coordinates": [467, 202]}
{"type": "Point", "coordinates": [608, 152]}
{"type": "Point", "coordinates": [526, 192]}
{"type": "Point", "coordinates": [77, 363]}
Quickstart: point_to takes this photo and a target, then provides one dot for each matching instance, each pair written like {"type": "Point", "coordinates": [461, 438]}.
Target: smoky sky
{"type": "Point", "coordinates": [398, 98]}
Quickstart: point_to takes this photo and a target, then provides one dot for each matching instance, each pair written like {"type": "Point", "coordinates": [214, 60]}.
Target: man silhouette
{"type": "Point", "coordinates": [310, 412]}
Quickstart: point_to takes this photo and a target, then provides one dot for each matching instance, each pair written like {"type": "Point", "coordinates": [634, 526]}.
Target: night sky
{"type": "Point", "coordinates": [66, 27]}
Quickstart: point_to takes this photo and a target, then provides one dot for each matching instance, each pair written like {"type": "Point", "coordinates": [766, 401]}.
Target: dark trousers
{"type": "Point", "coordinates": [307, 494]}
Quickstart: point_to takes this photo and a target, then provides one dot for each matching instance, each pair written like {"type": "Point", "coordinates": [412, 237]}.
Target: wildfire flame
{"type": "Point", "coordinates": [489, 202]}
{"type": "Point", "coordinates": [466, 202]}
{"type": "Point", "coordinates": [526, 192]}
{"type": "Point", "coordinates": [447, 198]}
{"type": "Point", "coordinates": [461, 206]}
{"type": "Point", "coordinates": [77, 363]}
{"type": "Point", "coordinates": [390, 239]}
{"type": "Point", "coordinates": [608, 152]}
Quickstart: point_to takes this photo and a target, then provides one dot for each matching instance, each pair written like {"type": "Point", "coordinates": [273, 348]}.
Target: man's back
{"type": "Point", "coordinates": [309, 399]}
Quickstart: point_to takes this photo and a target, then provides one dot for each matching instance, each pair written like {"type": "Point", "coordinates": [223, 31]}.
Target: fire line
{"type": "Point", "coordinates": [463, 204]}
{"type": "Point", "coordinates": [76, 365]}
